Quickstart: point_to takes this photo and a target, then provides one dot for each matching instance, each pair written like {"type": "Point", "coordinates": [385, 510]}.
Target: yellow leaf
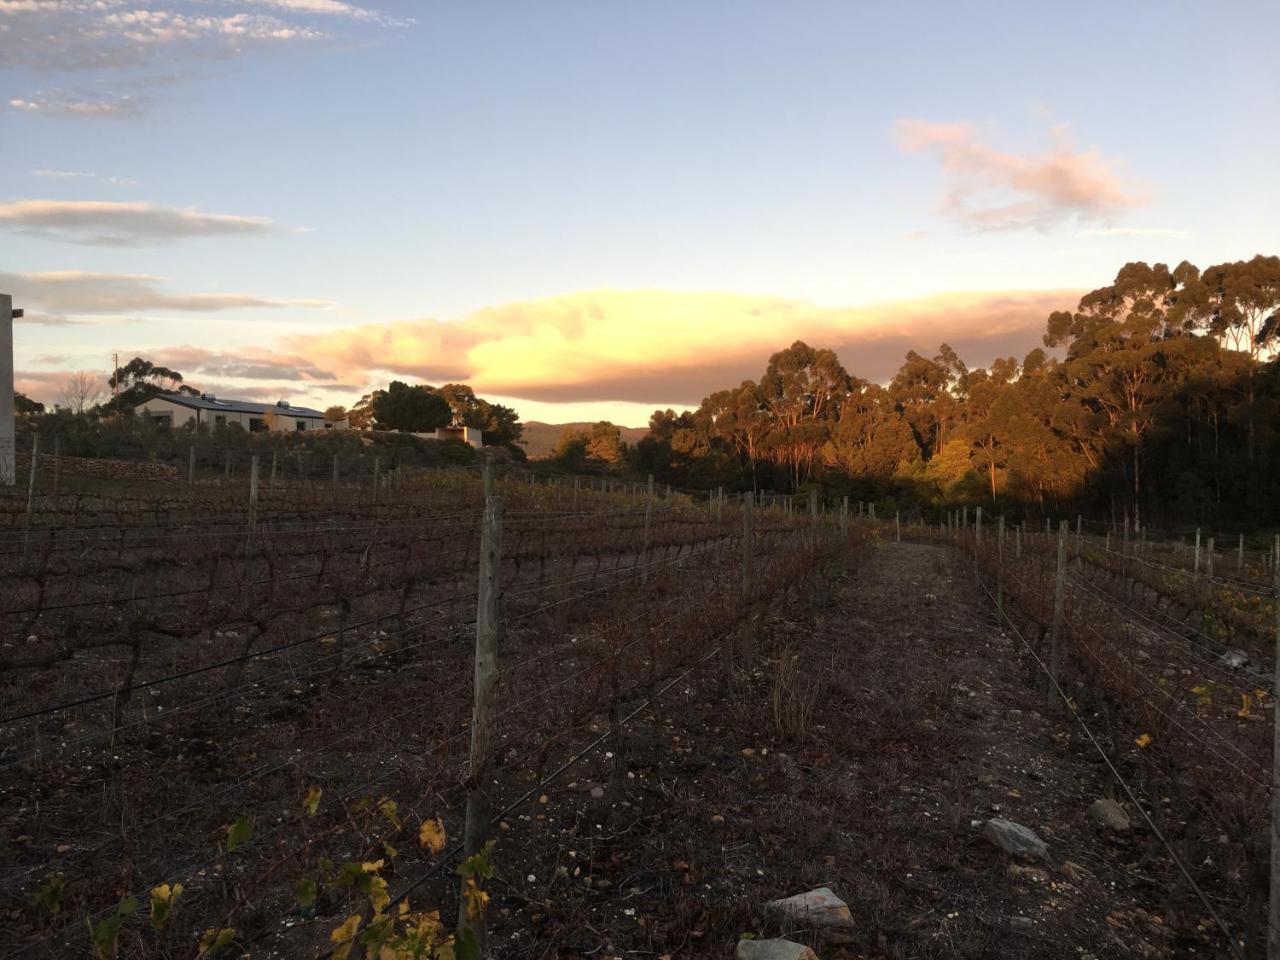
{"type": "Point", "coordinates": [431, 835]}
{"type": "Point", "coordinates": [1244, 705]}
{"type": "Point", "coordinates": [311, 803]}
{"type": "Point", "coordinates": [378, 895]}
{"type": "Point", "coordinates": [345, 936]}
{"type": "Point", "coordinates": [1143, 740]}
{"type": "Point", "coordinates": [372, 866]}
{"type": "Point", "coordinates": [476, 899]}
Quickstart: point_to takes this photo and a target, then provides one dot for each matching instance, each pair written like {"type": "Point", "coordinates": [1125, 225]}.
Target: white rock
{"type": "Point", "coordinates": [1014, 838]}
{"type": "Point", "coordinates": [773, 950]}
{"type": "Point", "coordinates": [818, 908]}
{"type": "Point", "coordinates": [1109, 815]}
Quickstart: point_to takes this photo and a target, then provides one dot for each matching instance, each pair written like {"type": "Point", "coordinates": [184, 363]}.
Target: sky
{"type": "Point", "coordinates": [592, 210]}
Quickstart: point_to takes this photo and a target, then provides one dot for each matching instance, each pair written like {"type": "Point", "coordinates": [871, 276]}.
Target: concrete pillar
{"type": "Point", "coordinates": [8, 466]}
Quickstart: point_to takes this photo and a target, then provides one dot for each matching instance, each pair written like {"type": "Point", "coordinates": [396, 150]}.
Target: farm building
{"type": "Point", "coordinates": [466, 434]}
{"type": "Point", "coordinates": [180, 409]}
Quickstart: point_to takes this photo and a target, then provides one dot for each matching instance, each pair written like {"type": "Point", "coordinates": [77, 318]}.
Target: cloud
{"type": "Point", "coordinates": [116, 39]}
{"type": "Point", "coordinates": [1134, 232]}
{"type": "Point", "coordinates": [115, 224]}
{"type": "Point", "coordinates": [58, 103]}
{"type": "Point", "coordinates": [85, 175]}
{"type": "Point", "coordinates": [245, 364]}
{"type": "Point", "coordinates": [988, 189]}
{"type": "Point", "coordinates": [660, 347]}
{"type": "Point", "coordinates": [64, 295]}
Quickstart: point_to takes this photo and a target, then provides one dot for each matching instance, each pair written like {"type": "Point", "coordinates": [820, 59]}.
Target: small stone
{"type": "Point", "coordinates": [597, 792]}
{"type": "Point", "coordinates": [818, 908]}
{"type": "Point", "coordinates": [772, 950]}
{"type": "Point", "coordinates": [716, 818]}
{"type": "Point", "coordinates": [1015, 839]}
{"type": "Point", "coordinates": [1017, 871]}
{"type": "Point", "coordinates": [1109, 815]}
{"type": "Point", "coordinates": [1235, 659]}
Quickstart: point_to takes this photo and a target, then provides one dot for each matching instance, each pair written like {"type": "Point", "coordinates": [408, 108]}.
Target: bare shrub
{"type": "Point", "coordinates": [793, 697]}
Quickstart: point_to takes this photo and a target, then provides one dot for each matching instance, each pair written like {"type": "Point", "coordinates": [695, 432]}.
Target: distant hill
{"type": "Point", "coordinates": [539, 439]}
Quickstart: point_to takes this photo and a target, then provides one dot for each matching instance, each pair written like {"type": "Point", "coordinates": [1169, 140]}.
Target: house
{"type": "Point", "coordinates": [180, 409]}
{"type": "Point", "coordinates": [466, 434]}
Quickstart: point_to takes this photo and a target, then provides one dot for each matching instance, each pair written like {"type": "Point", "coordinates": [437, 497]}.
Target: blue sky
{"type": "Point", "coordinates": [746, 171]}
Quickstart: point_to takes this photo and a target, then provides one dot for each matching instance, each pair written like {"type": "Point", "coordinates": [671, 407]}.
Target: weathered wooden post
{"type": "Point", "coordinates": [1196, 568]}
{"type": "Point", "coordinates": [377, 467]}
{"type": "Point", "coordinates": [253, 495]}
{"type": "Point", "coordinates": [872, 508]}
{"type": "Point", "coordinates": [748, 537]}
{"type": "Point", "coordinates": [977, 530]}
{"type": "Point", "coordinates": [226, 466]}
{"type": "Point", "coordinates": [577, 485]}
{"type": "Point", "coordinates": [274, 466]}
{"type": "Point", "coordinates": [897, 526]}
{"type": "Point", "coordinates": [1079, 536]}
{"type": "Point", "coordinates": [1000, 565]}
{"type": "Point", "coordinates": [1208, 561]}
{"type": "Point", "coordinates": [648, 516]}
{"type": "Point", "coordinates": [1017, 539]}
{"type": "Point", "coordinates": [31, 498]}
{"type": "Point", "coordinates": [57, 463]}
{"type": "Point", "coordinates": [844, 515]}
{"type": "Point", "coordinates": [191, 466]}
{"type": "Point", "coordinates": [476, 830]}
{"type": "Point", "coordinates": [1240, 553]}
{"type": "Point", "coordinates": [1059, 610]}
{"type": "Point", "coordinates": [1273, 915]}
{"type": "Point", "coordinates": [649, 492]}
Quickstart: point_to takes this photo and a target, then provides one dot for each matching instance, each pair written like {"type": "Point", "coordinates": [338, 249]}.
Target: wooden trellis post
{"type": "Point", "coordinates": [476, 830]}
{"type": "Point", "coordinates": [1273, 914]}
{"type": "Point", "coordinates": [1059, 610]}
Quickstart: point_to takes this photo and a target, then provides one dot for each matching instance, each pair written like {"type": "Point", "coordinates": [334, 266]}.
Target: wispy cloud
{"type": "Point", "coordinates": [121, 224]}
{"type": "Point", "coordinates": [248, 363]}
{"type": "Point", "coordinates": [59, 103]}
{"type": "Point", "coordinates": [113, 40]}
{"type": "Point", "coordinates": [85, 175]}
{"type": "Point", "coordinates": [65, 295]}
{"type": "Point", "coordinates": [1134, 232]}
{"type": "Point", "coordinates": [990, 189]}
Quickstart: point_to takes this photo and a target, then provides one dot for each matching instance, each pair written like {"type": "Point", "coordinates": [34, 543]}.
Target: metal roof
{"type": "Point", "coordinates": [236, 406]}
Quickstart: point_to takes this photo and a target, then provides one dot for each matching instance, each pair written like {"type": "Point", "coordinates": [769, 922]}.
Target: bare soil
{"type": "Point", "coordinates": [927, 719]}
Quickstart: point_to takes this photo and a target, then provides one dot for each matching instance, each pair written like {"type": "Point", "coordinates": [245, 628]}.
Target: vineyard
{"type": "Point", "coordinates": [282, 717]}
{"type": "Point", "coordinates": [259, 701]}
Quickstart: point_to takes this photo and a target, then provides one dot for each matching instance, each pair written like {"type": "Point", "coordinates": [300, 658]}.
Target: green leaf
{"type": "Point", "coordinates": [306, 892]}
{"type": "Point", "coordinates": [50, 894]}
{"type": "Point", "coordinates": [239, 833]}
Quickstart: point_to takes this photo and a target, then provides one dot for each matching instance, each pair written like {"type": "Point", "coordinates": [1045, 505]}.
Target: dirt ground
{"type": "Point", "coordinates": [926, 720]}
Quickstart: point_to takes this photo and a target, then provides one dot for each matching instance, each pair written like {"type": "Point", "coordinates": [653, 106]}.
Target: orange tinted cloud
{"type": "Point", "coordinates": [991, 189]}
{"type": "Point", "coordinates": [657, 347]}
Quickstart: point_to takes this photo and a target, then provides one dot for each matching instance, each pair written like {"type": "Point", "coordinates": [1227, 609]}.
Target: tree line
{"type": "Point", "coordinates": [1156, 398]}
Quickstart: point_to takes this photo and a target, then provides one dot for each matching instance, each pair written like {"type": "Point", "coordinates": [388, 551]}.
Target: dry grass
{"type": "Point", "coordinates": [793, 696]}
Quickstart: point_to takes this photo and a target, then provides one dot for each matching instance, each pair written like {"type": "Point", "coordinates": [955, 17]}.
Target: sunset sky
{"type": "Point", "coordinates": [588, 210]}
